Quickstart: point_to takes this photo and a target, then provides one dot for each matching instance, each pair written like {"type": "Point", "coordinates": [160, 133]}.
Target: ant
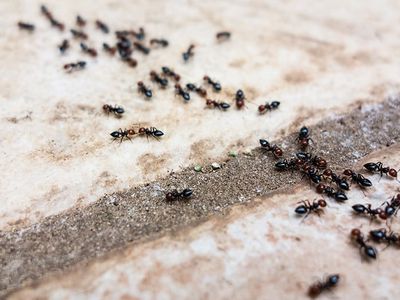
{"type": "Point", "coordinates": [380, 235]}
{"type": "Point", "coordinates": [64, 46]}
{"type": "Point", "coordinates": [79, 34]}
{"type": "Point", "coordinates": [163, 82]}
{"type": "Point", "coordinates": [121, 134]}
{"type": "Point", "coordinates": [320, 286]}
{"type": "Point", "coordinates": [80, 65]}
{"type": "Point", "coordinates": [80, 21]}
{"type": "Point", "coordinates": [189, 53]}
{"type": "Point", "coordinates": [239, 98]}
{"type": "Point", "coordinates": [200, 91]}
{"type": "Point", "coordinates": [357, 236]}
{"type": "Point", "coordinates": [110, 50]}
{"type": "Point", "coordinates": [271, 148]}
{"type": "Point", "coordinates": [26, 26]}
{"type": "Point", "coordinates": [378, 167]}
{"type": "Point", "coordinates": [116, 110]}
{"type": "Point", "coordinates": [340, 182]}
{"type": "Point", "coordinates": [138, 35]}
{"type": "Point", "coordinates": [50, 17]}
{"type": "Point", "coordinates": [304, 137]}
{"type": "Point", "coordinates": [170, 73]}
{"type": "Point", "coordinates": [263, 108]}
{"type": "Point", "coordinates": [174, 195]}
{"type": "Point", "coordinates": [312, 174]}
{"type": "Point", "coordinates": [216, 85]}
{"type": "Point", "coordinates": [144, 90]}
{"type": "Point", "coordinates": [124, 48]}
{"type": "Point", "coordinates": [161, 42]}
{"type": "Point", "coordinates": [223, 36]}
{"type": "Point", "coordinates": [292, 164]}
{"type": "Point", "coordinates": [102, 26]}
{"type": "Point", "coordinates": [215, 104]}
{"type": "Point", "coordinates": [393, 207]}
{"type": "Point", "coordinates": [357, 178]}
{"type": "Point", "coordinates": [366, 209]}
{"type": "Point", "coordinates": [331, 192]}
{"type": "Point", "coordinates": [306, 207]}
{"type": "Point", "coordinates": [141, 48]}
{"type": "Point", "coordinates": [180, 91]}
{"type": "Point", "coordinates": [90, 51]}
{"type": "Point", "coordinates": [131, 62]}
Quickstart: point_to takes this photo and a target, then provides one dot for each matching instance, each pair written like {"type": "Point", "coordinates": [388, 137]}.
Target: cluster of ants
{"type": "Point", "coordinates": [335, 186]}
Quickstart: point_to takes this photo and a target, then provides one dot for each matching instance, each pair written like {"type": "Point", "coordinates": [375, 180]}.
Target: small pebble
{"type": "Point", "coordinates": [233, 153]}
{"type": "Point", "coordinates": [216, 166]}
{"type": "Point", "coordinates": [247, 152]}
{"type": "Point", "coordinates": [198, 168]}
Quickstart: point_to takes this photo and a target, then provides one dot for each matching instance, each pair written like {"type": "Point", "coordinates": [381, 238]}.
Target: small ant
{"type": "Point", "coordinates": [174, 195]}
{"type": "Point", "coordinates": [139, 35]}
{"type": "Point", "coordinates": [215, 104]}
{"type": "Point", "coordinates": [378, 167]}
{"type": "Point", "coordinates": [163, 82]}
{"type": "Point", "coordinates": [313, 175]}
{"type": "Point", "coordinates": [102, 26]}
{"type": "Point", "coordinates": [357, 236]}
{"type": "Point", "coordinates": [160, 42]}
{"type": "Point", "coordinates": [131, 62]}
{"type": "Point", "coordinates": [320, 286]}
{"type": "Point", "coordinates": [121, 134]}
{"type": "Point", "coordinates": [144, 90]}
{"type": "Point", "coordinates": [64, 46]}
{"type": "Point", "coordinates": [79, 34]}
{"type": "Point", "coordinates": [26, 26]}
{"type": "Point", "coordinates": [223, 36]}
{"type": "Point", "coordinates": [90, 51]}
{"type": "Point", "coordinates": [216, 85]}
{"type": "Point", "coordinates": [331, 192]}
{"type": "Point", "coordinates": [292, 164]}
{"type": "Point", "coordinates": [358, 178]}
{"type": "Point", "coordinates": [110, 50]}
{"type": "Point", "coordinates": [80, 21]}
{"type": "Point", "coordinates": [380, 235]}
{"type": "Point", "coordinates": [271, 148]}
{"type": "Point", "coordinates": [366, 209]}
{"type": "Point", "coordinates": [80, 65]}
{"type": "Point", "coordinates": [263, 108]}
{"type": "Point", "coordinates": [180, 91]}
{"type": "Point", "coordinates": [239, 98]}
{"type": "Point", "coordinates": [116, 110]}
{"type": "Point", "coordinates": [189, 53]}
{"type": "Point", "coordinates": [306, 207]}
{"type": "Point", "coordinates": [200, 91]}
{"type": "Point", "coordinates": [49, 16]}
{"type": "Point", "coordinates": [340, 182]}
{"type": "Point", "coordinates": [304, 137]}
{"type": "Point", "coordinates": [170, 73]}
{"type": "Point", "coordinates": [141, 48]}
{"type": "Point", "coordinates": [393, 207]}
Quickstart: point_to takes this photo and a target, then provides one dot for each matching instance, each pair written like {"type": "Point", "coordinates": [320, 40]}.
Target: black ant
{"type": "Point", "coordinates": [170, 73]}
{"type": "Point", "coordinates": [174, 195]}
{"type": "Point", "coordinates": [163, 82]}
{"type": "Point", "coordinates": [339, 181]}
{"type": "Point", "coordinates": [216, 85]}
{"type": "Point", "coordinates": [331, 192]}
{"type": "Point", "coordinates": [393, 207]}
{"type": "Point", "coordinates": [110, 50]}
{"type": "Point", "coordinates": [223, 36]}
{"type": "Point", "coordinates": [358, 178]}
{"type": "Point", "coordinates": [263, 108]}
{"type": "Point", "coordinates": [121, 134]}
{"type": "Point", "coordinates": [180, 91]}
{"type": "Point", "coordinates": [141, 48]}
{"type": "Point", "coordinates": [215, 104]}
{"type": "Point", "coordinates": [372, 212]}
{"type": "Point", "coordinates": [381, 235]}
{"type": "Point", "coordinates": [312, 174]}
{"type": "Point", "coordinates": [292, 164]}
{"type": "Point", "coordinates": [189, 53]}
{"type": "Point", "coordinates": [64, 46]}
{"type": "Point", "coordinates": [50, 17]}
{"type": "Point", "coordinates": [151, 131]}
{"type": "Point", "coordinates": [271, 148]}
{"type": "Point", "coordinates": [378, 167]}
{"type": "Point", "coordinates": [357, 236]}
{"type": "Point", "coordinates": [306, 207]}
{"type": "Point", "coordinates": [80, 21]}
{"type": "Point", "coordinates": [26, 26]}
{"type": "Point", "coordinates": [90, 51]}
{"type": "Point", "coordinates": [102, 26]}
{"type": "Point", "coordinates": [320, 286]}
{"type": "Point", "coordinates": [116, 110]}
{"type": "Point", "coordinates": [304, 137]}
{"type": "Point", "coordinates": [200, 91]}
{"type": "Point", "coordinates": [80, 65]}
{"type": "Point", "coordinates": [239, 99]}
{"type": "Point", "coordinates": [144, 90]}
{"type": "Point", "coordinates": [79, 34]}
{"type": "Point", "coordinates": [160, 42]}
{"type": "Point", "coordinates": [124, 48]}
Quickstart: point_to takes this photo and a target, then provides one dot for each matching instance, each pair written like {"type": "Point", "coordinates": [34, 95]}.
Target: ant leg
{"type": "Point", "coordinates": [302, 220]}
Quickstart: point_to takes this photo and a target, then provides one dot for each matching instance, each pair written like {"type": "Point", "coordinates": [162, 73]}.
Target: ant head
{"type": "Point", "coordinates": [131, 131]}
{"type": "Point", "coordinates": [142, 130]}
{"type": "Point", "coordinates": [393, 173]}
{"type": "Point", "coordinates": [206, 77]}
{"type": "Point", "coordinates": [383, 215]}
{"type": "Point", "coordinates": [177, 86]}
{"type": "Point", "coordinates": [320, 188]}
{"type": "Point", "coordinates": [355, 233]}
{"type": "Point", "coordinates": [261, 108]}
{"type": "Point", "coordinates": [348, 172]}
{"type": "Point", "coordinates": [140, 83]}
{"type": "Point", "coordinates": [152, 73]}
{"type": "Point", "coordinates": [327, 172]}
{"type": "Point", "coordinates": [321, 202]}
{"type": "Point", "coordinates": [209, 102]}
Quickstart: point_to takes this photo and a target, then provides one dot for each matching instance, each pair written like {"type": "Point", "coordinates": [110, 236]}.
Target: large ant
{"type": "Point", "coordinates": [174, 195]}
{"type": "Point", "coordinates": [80, 65]}
{"type": "Point", "coordinates": [304, 137]}
{"type": "Point", "coordinates": [121, 134]}
{"type": "Point", "coordinates": [161, 42]}
{"type": "Point", "coordinates": [151, 131]}
{"type": "Point", "coordinates": [223, 36]}
{"type": "Point", "coordinates": [110, 50]}
{"type": "Point", "coordinates": [90, 51]}
{"type": "Point", "coordinates": [393, 207]}
{"type": "Point", "coordinates": [320, 286]}
{"type": "Point", "coordinates": [116, 110]}
{"type": "Point", "coordinates": [357, 236]}
{"type": "Point", "coordinates": [358, 178]}
{"type": "Point", "coordinates": [64, 46]}
{"type": "Point", "coordinates": [215, 104]}
{"type": "Point", "coordinates": [312, 174]}
{"type": "Point", "coordinates": [239, 99]}
{"type": "Point", "coordinates": [180, 91]}
{"type": "Point", "coordinates": [26, 26]}
{"type": "Point", "coordinates": [271, 148]}
{"type": "Point", "coordinates": [306, 207]}
{"type": "Point", "coordinates": [378, 167]}
{"type": "Point", "coordinates": [366, 209]}
{"type": "Point", "coordinates": [79, 34]}
{"type": "Point", "coordinates": [163, 82]}
{"type": "Point", "coordinates": [339, 181]}
{"type": "Point", "coordinates": [263, 108]}
{"type": "Point", "coordinates": [188, 53]}
{"type": "Point", "coordinates": [216, 85]}
{"type": "Point", "coordinates": [80, 21]}
{"type": "Point", "coordinates": [144, 90]}
{"type": "Point", "coordinates": [142, 48]}
{"type": "Point", "coordinates": [331, 192]}
{"type": "Point", "coordinates": [292, 164]}
{"type": "Point", "coordinates": [200, 91]}
{"type": "Point", "coordinates": [380, 235]}
{"type": "Point", "coordinates": [102, 26]}
{"type": "Point", "coordinates": [170, 73]}
{"type": "Point", "coordinates": [50, 17]}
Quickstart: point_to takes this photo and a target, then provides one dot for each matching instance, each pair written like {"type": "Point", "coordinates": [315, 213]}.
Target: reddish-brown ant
{"type": "Point", "coordinates": [64, 46]}
{"type": "Point", "coordinates": [372, 212]}
{"type": "Point", "coordinates": [79, 34]}
{"type": "Point", "coordinates": [80, 65]}
{"type": "Point", "coordinates": [239, 99]}
{"type": "Point", "coordinates": [188, 53]}
{"type": "Point", "coordinates": [26, 26]}
{"type": "Point", "coordinates": [50, 17]}
{"type": "Point", "coordinates": [130, 61]}
{"type": "Point", "coordinates": [142, 89]}
{"type": "Point", "coordinates": [200, 91]}
{"type": "Point", "coordinates": [215, 104]}
{"type": "Point", "coordinates": [216, 85]}
{"type": "Point", "coordinates": [159, 42]}
{"type": "Point", "coordinates": [102, 26]}
{"type": "Point", "coordinates": [110, 50]}
{"type": "Point", "coordinates": [320, 286]}
{"type": "Point", "coordinates": [381, 235]}
{"type": "Point", "coordinates": [271, 148]}
{"type": "Point", "coordinates": [306, 207]}
{"type": "Point", "coordinates": [174, 195]}
{"type": "Point", "coordinates": [116, 110]}
{"type": "Point", "coordinates": [357, 178]}
{"type": "Point", "coordinates": [181, 92]}
{"type": "Point", "coordinates": [142, 48]}
{"type": "Point", "coordinates": [331, 192]}
{"type": "Point", "coordinates": [378, 167]}
{"type": "Point", "coordinates": [223, 36]}
{"type": "Point", "coordinates": [155, 77]}
{"type": "Point", "coordinates": [263, 108]}
{"type": "Point", "coordinates": [90, 51]}
{"type": "Point", "coordinates": [357, 236]}
{"type": "Point", "coordinates": [170, 73]}
{"type": "Point", "coordinates": [80, 21]}
{"type": "Point", "coordinates": [304, 137]}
